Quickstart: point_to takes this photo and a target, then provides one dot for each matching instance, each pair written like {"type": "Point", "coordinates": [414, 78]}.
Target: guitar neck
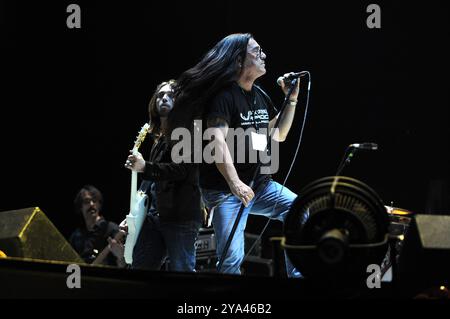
{"type": "Point", "coordinates": [133, 185]}
{"type": "Point", "coordinates": [133, 189]}
{"type": "Point", "coordinates": [137, 143]}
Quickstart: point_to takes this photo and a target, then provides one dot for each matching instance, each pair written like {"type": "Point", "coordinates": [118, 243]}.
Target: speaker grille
{"type": "Point", "coordinates": [28, 233]}
{"type": "Point", "coordinates": [434, 231]}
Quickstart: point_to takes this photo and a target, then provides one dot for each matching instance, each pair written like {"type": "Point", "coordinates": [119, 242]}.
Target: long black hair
{"type": "Point", "coordinates": [155, 120]}
{"type": "Point", "coordinates": [195, 87]}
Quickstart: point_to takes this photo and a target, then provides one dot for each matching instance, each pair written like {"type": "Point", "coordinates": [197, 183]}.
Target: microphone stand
{"type": "Point", "coordinates": [346, 159]}
{"type": "Point", "coordinates": [293, 84]}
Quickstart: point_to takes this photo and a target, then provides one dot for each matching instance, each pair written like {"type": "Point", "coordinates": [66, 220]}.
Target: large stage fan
{"type": "Point", "coordinates": [335, 229]}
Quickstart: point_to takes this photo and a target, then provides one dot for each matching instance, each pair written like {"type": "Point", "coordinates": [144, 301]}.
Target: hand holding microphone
{"type": "Point", "coordinates": [288, 77]}
{"type": "Point", "coordinates": [285, 82]}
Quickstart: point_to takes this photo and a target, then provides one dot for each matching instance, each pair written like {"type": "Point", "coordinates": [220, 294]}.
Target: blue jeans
{"type": "Point", "coordinates": [159, 240]}
{"type": "Point", "coordinates": [226, 207]}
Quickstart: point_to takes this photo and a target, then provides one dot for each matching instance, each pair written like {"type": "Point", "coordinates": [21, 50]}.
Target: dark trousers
{"type": "Point", "coordinates": [161, 239]}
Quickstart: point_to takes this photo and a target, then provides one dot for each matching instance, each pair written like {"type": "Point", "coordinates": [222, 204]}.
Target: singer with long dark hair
{"type": "Point", "coordinates": [221, 90]}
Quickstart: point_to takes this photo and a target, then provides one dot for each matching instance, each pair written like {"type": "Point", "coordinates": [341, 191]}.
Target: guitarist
{"type": "Point", "coordinates": [175, 216]}
{"type": "Point", "coordinates": [95, 234]}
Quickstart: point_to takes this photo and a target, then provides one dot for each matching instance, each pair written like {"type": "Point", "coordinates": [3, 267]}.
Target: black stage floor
{"type": "Point", "coordinates": [22, 278]}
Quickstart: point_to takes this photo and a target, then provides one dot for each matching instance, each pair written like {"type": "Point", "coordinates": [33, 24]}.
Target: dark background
{"type": "Point", "coordinates": [72, 100]}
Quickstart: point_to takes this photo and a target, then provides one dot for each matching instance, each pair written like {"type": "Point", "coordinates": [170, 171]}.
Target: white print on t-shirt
{"type": "Point", "coordinates": [261, 116]}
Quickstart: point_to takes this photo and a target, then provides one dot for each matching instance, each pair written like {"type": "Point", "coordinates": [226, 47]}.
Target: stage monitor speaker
{"type": "Point", "coordinates": [28, 233]}
{"type": "Point", "coordinates": [425, 256]}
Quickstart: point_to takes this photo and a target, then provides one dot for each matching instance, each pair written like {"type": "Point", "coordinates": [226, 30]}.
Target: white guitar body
{"type": "Point", "coordinates": [135, 220]}
{"type": "Point", "coordinates": [138, 205]}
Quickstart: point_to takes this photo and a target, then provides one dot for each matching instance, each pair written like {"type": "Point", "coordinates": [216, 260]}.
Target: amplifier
{"type": "Point", "coordinates": [206, 242]}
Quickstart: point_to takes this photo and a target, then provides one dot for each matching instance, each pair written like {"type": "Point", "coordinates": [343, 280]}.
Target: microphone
{"type": "Point", "coordinates": [365, 146]}
{"type": "Point", "coordinates": [289, 78]}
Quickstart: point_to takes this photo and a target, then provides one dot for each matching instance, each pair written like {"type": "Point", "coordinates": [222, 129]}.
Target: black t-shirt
{"type": "Point", "coordinates": [176, 186]}
{"type": "Point", "coordinates": [243, 111]}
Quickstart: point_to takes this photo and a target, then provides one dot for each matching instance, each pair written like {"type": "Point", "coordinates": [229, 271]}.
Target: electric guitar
{"type": "Point", "coordinates": [138, 204]}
